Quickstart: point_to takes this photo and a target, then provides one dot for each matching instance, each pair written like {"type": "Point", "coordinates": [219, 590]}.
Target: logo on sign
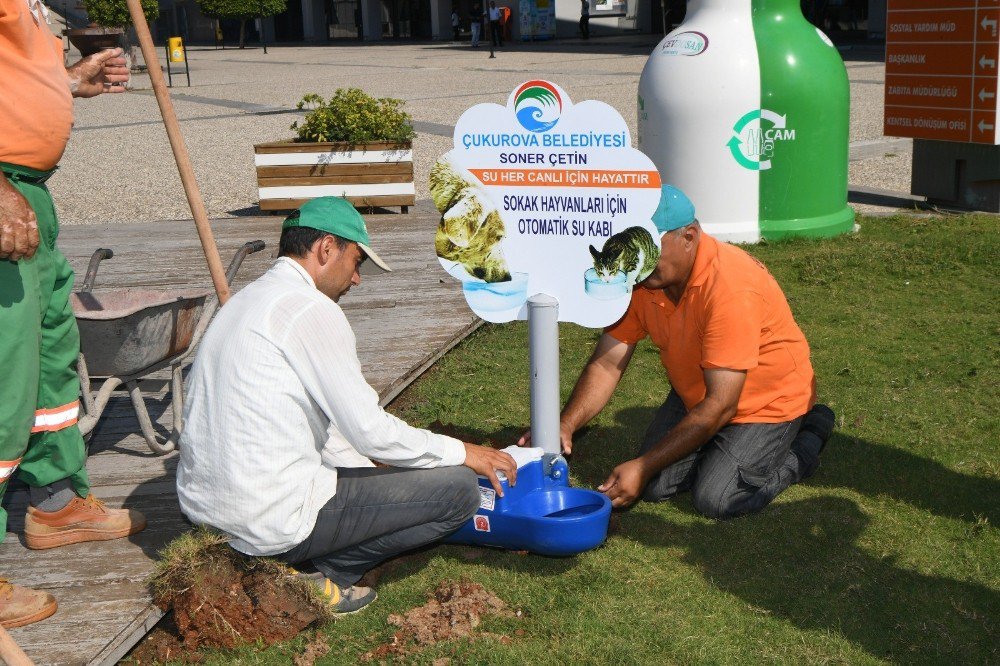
{"type": "Point", "coordinates": [537, 105]}
{"type": "Point", "coordinates": [684, 44]}
{"type": "Point", "coordinates": [756, 136]}
{"type": "Point", "coordinates": [481, 523]}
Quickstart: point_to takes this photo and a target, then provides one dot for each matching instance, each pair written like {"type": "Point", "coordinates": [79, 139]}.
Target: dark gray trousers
{"type": "Point", "coordinates": [381, 512]}
{"type": "Point", "coordinates": [740, 470]}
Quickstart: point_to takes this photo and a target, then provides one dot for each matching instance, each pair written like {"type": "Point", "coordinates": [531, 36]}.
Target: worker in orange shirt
{"type": "Point", "coordinates": [740, 423]}
{"type": "Point", "coordinates": [39, 341]}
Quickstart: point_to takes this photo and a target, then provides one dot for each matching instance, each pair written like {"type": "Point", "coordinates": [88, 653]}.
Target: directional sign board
{"type": "Point", "coordinates": [941, 70]}
{"type": "Point", "coordinates": [546, 196]}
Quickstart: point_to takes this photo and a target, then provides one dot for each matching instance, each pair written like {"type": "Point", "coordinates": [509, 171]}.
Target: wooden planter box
{"type": "Point", "coordinates": [370, 175]}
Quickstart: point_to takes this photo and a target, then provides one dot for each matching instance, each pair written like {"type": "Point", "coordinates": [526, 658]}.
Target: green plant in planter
{"type": "Point", "coordinates": [355, 117]}
{"type": "Point", "coordinates": [114, 13]}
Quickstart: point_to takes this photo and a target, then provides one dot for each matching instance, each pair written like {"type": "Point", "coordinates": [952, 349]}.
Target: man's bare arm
{"type": "Point", "coordinates": [723, 388]}
{"type": "Point", "coordinates": [593, 389]}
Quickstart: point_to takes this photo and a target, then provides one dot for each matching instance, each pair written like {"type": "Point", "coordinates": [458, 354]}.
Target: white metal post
{"type": "Point", "coordinates": [543, 347]}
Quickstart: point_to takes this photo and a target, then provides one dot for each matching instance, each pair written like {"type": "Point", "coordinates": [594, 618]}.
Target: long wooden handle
{"type": "Point", "coordinates": [180, 151]}
{"type": "Point", "coordinates": [11, 652]}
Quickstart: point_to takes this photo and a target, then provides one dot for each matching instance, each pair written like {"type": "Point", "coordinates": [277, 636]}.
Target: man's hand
{"type": "Point", "coordinates": [99, 73]}
{"type": "Point", "coordinates": [625, 483]}
{"type": "Point", "coordinates": [565, 439]}
{"type": "Point", "coordinates": [486, 461]}
{"type": "Point", "coordinates": [18, 224]}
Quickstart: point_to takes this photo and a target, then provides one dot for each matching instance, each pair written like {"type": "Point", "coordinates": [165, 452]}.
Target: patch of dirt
{"type": "Point", "coordinates": [315, 649]}
{"type": "Point", "coordinates": [453, 611]}
{"type": "Point", "coordinates": [230, 607]}
{"type": "Point", "coordinates": [220, 598]}
{"type": "Point", "coordinates": [162, 645]}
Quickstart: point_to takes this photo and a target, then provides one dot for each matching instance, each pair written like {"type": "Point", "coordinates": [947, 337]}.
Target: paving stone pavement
{"type": "Point", "coordinates": [118, 166]}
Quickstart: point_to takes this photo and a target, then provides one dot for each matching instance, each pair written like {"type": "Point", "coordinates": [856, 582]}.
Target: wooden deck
{"type": "Point", "coordinates": [404, 321]}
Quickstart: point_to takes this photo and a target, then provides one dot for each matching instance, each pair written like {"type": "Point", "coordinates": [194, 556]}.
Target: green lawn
{"type": "Point", "coordinates": [891, 553]}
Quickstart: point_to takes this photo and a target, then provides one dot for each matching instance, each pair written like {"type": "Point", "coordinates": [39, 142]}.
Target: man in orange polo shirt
{"type": "Point", "coordinates": [740, 423]}
{"type": "Point", "coordinates": [39, 341]}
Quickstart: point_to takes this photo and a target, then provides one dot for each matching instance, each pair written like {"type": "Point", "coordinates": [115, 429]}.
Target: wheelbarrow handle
{"type": "Point", "coordinates": [241, 254]}
{"type": "Point", "coordinates": [95, 261]}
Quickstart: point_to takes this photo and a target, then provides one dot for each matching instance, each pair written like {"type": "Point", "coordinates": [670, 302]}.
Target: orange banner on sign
{"type": "Point", "coordinates": [567, 178]}
{"type": "Point", "coordinates": [940, 124]}
{"type": "Point", "coordinates": [928, 58]}
{"type": "Point", "coordinates": [949, 92]}
{"type": "Point", "coordinates": [896, 5]}
{"type": "Point", "coordinates": [954, 25]}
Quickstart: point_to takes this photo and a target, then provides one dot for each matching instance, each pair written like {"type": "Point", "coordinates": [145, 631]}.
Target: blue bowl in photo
{"type": "Point", "coordinates": [597, 288]}
{"type": "Point", "coordinates": [541, 514]}
{"type": "Point", "coordinates": [497, 296]}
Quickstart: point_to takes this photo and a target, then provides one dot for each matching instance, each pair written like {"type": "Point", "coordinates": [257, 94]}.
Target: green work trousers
{"type": "Point", "coordinates": [39, 346]}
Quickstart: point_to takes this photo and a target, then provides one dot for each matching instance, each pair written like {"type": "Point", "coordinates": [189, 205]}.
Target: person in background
{"type": "Point", "coordinates": [456, 25]}
{"type": "Point", "coordinates": [476, 24]}
{"type": "Point", "coordinates": [585, 18]}
{"type": "Point", "coordinates": [494, 16]}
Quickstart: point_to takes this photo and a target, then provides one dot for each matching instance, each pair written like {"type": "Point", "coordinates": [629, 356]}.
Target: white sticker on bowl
{"type": "Point", "coordinates": [487, 498]}
{"type": "Point", "coordinates": [482, 523]}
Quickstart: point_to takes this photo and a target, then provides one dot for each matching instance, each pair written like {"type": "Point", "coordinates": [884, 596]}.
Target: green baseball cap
{"type": "Point", "coordinates": [335, 215]}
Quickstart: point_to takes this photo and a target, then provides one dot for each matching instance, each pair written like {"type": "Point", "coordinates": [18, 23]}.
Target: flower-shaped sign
{"type": "Point", "coordinates": [546, 196]}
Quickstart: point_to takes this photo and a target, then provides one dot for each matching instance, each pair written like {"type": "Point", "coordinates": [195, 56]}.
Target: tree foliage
{"type": "Point", "coordinates": [114, 13]}
{"type": "Point", "coordinates": [240, 9]}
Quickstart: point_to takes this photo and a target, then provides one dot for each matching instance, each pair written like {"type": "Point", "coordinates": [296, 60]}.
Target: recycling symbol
{"type": "Point", "coordinates": [755, 136]}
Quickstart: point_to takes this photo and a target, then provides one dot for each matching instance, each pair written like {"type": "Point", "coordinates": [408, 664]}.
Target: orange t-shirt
{"type": "Point", "coordinates": [732, 315]}
{"type": "Point", "coordinates": [36, 107]}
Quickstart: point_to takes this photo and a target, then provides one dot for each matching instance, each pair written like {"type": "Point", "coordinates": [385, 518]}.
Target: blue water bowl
{"type": "Point", "coordinates": [497, 296]}
{"type": "Point", "coordinates": [541, 514]}
{"type": "Point", "coordinates": [597, 288]}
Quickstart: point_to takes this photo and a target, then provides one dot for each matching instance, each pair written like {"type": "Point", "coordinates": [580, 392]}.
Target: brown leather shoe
{"type": "Point", "coordinates": [22, 605]}
{"type": "Point", "coordinates": [80, 520]}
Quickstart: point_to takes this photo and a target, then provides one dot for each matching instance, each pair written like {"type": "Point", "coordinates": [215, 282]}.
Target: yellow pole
{"type": "Point", "coordinates": [180, 152]}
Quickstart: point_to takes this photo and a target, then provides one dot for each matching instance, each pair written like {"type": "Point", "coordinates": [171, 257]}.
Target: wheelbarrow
{"type": "Point", "coordinates": [128, 334]}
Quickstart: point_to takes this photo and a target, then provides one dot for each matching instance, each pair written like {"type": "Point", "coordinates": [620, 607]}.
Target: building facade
{"type": "Point", "coordinates": [319, 21]}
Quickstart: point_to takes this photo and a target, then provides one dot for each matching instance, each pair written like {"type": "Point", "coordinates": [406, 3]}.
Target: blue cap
{"type": "Point", "coordinates": [675, 210]}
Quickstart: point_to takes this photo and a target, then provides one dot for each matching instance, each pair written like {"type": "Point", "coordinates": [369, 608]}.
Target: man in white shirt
{"type": "Point", "coordinates": [495, 29]}
{"type": "Point", "coordinates": [280, 424]}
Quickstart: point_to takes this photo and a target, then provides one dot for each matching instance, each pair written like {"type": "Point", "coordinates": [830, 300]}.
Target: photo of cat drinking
{"type": "Point", "coordinates": [627, 258]}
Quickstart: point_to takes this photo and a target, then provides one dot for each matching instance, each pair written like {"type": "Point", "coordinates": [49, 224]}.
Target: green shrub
{"type": "Point", "coordinates": [240, 9]}
{"type": "Point", "coordinates": [355, 117]}
{"type": "Point", "coordinates": [114, 13]}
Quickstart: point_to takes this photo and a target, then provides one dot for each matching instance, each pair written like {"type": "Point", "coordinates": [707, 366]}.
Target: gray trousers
{"type": "Point", "coordinates": [381, 512]}
{"type": "Point", "coordinates": [740, 470]}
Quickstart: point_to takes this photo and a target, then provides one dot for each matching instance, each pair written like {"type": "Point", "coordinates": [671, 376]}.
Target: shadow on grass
{"type": "Point", "coordinates": [801, 562]}
{"type": "Point", "coordinates": [876, 469]}
{"type": "Point", "coordinates": [868, 468]}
